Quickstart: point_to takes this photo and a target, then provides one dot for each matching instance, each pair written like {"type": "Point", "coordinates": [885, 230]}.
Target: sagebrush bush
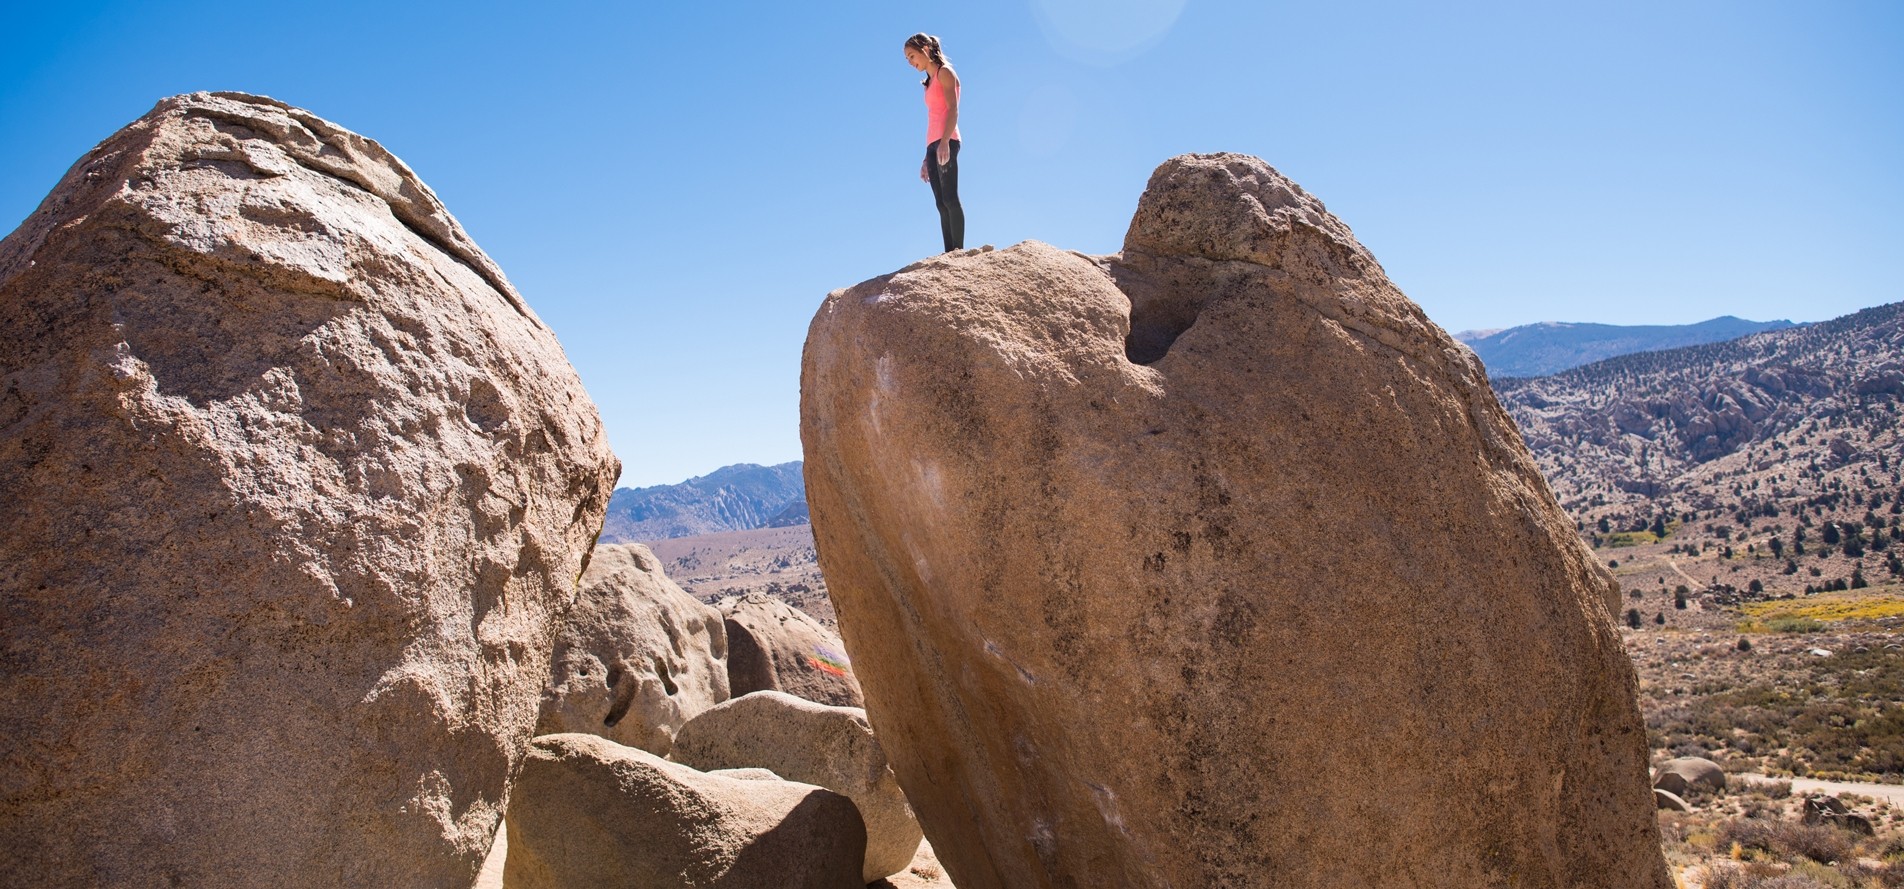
{"type": "Point", "coordinates": [1757, 875]}
{"type": "Point", "coordinates": [1892, 848]}
{"type": "Point", "coordinates": [1821, 843]}
{"type": "Point", "coordinates": [1770, 848]}
{"type": "Point", "coordinates": [1840, 716]}
{"type": "Point", "coordinates": [1768, 789]}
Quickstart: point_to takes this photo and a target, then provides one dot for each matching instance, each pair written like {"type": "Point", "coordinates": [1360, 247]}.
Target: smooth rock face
{"type": "Point", "coordinates": [1213, 563]}
{"type": "Point", "coordinates": [637, 657]}
{"type": "Point", "coordinates": [812, 743]}
{"type": "Point", "coordinates": [588, 812]}
{"type": "Point", "coordinates": [773, 646]}
{"type": "Point", "coordinates": [295, 488]}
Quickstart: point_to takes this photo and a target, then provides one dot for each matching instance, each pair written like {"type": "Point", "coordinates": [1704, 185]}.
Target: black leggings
{"type": "Point", "coordinates": [945, 192]}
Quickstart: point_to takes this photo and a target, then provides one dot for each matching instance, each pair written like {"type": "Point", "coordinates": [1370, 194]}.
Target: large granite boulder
{"type": "Point", "coordinates": [1213, 563]}
{"type": "Point", "coordinates": [812, 743]}
{"type": "Point", "coordinates": [637, 657]}
{"type": "Point", "coordinates": [588, 812]}
{"type": "Point", "coordinates": [294, 488]}
{"type": "Point", "coordinates": [773, 646]}
{"type": "Point", "coordinates": [1690, 774]}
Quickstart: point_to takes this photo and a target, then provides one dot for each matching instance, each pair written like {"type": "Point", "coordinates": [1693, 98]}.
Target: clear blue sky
{"type": "Point", "coordinates": [676, 187]}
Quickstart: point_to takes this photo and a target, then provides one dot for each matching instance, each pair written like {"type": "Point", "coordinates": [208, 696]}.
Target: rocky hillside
{"type": "Point", "coordinates": [733, 498]}
{"type": "Point", "coordinates": [778, 561]}
{"type": "Point", "coordinates": [1754, 427]}
{"type": "Point", "coordinates": [1533, 350]}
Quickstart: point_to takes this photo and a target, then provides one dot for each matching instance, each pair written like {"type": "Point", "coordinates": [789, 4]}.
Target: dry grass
{"type": "Point", "coordinates": [1754, 838]}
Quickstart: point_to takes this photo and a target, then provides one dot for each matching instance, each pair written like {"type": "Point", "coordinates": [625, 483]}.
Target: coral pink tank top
{"type": "Point", "coordinates": [935, 111]}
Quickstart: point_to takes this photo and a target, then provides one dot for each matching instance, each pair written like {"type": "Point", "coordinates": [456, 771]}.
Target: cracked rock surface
{"type": "Point", "coordinates": [1213, 563]}
{"type": "Point", "coordinates": [293, 489]}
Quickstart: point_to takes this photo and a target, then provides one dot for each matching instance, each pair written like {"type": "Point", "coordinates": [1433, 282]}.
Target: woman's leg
{"type": "Point", "coordinates": [945, 192]}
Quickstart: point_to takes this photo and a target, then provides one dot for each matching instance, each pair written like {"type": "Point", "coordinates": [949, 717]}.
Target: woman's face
{"type": "Point", "coordinates": [916, 58]}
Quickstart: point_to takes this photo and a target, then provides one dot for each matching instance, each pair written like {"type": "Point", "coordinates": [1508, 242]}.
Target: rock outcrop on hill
{"type": "Point", "coordinates": [775, 647]}
{"type": "Point", "coordinates": [295, 487]}
{"type": "Point", "coordinates": [590, 812]}
{"type": "Point", "coordinates": [799, 740]}
{"type": "Point", "coordinates": [637, 657]}
{"type": "Point", "coordinates": [1213, 563]}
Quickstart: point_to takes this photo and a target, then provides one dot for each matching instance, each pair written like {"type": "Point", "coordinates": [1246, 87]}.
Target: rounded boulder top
{"type": "Point", "coordinates": [297, 486]}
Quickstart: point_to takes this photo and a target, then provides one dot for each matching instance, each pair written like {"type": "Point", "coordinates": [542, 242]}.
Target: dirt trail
{"type": "Point", "coordinates": [1891, 793]}
{"type": "Point", "coordinates": [1683, 575]}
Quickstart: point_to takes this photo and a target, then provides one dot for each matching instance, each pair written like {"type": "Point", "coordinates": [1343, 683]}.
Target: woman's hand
{"type": "Point", "coordinates": [945, 151]}
{"type": "Point", "coordinates": [922, 172]}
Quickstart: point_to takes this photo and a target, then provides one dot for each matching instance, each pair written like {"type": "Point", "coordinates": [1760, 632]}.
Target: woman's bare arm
{"type": "Point", "coordinates": [949, 81]}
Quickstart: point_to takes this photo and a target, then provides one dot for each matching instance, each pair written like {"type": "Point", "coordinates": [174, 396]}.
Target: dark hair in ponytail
{"type": "Point", "coordinates": [928, 44]}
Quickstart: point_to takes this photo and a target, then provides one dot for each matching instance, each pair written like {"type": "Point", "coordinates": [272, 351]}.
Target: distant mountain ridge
{"type": "Point", "coordinates": [741, 497]}
{"type": "Point", "coordinates": [1761, 420]}
{"type": "Point", "coordinates": [1536, 350]}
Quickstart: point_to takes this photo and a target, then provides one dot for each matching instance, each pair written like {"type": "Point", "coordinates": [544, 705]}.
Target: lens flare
{"type": "Point", "coordinates": [1105, 32]}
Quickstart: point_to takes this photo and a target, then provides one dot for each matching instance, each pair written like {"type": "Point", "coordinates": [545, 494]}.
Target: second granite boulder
{"type": "Point", "coordinates": [800, 740]}
{"type": "Point", "coordinates": [637, 657]}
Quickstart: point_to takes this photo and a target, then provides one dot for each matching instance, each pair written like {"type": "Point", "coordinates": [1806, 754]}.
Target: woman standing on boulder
{"type": "Point", "coordinates": [941, 166]}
